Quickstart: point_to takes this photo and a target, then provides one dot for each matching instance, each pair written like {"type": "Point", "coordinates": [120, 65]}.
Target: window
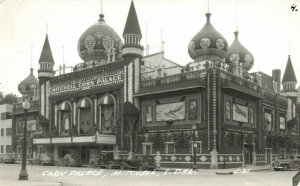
{"type": "Point", "coordinates": [85, 118]}
{"type": "Point", "coordinates": [107, 118]}
{"type": "Point", "coordinates": [2, 149]}
{"type": "Point", "coordinates": [8, 149]}
{"type": "Point", "coordinates": [8, 132]}
{"type": "Point", "coordinates": [170, 148]}
{"type": "Point", "coordinates": [4, 116]}
{"type": "Point", "coordinates": [2, 132]}
{"type": "Point", "coordinates": [19, 150]}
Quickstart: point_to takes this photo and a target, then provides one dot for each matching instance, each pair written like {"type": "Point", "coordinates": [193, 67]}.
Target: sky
{"type": "Point", "coordinates": [269, 29]}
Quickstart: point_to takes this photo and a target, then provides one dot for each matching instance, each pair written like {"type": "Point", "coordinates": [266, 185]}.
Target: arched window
{"type": "Point", "coordinates": [64, 116]}
{"type": "Point", "coordinates": [107, 110]}
{"type": "Point", "coordinates": [85, 116]}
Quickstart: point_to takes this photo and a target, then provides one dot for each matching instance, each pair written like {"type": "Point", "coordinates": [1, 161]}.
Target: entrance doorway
{"type": "Point", "coordinates": [248, 152]}
{"type": "Point", "coordinates": [85, 154]}
{"type": "Point", "coordinates": [268, 155]}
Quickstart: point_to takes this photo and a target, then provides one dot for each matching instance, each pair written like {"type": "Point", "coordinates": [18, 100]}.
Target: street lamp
{"type": "Point", "coordinates": [194, 128]}
{"type": "Point", "coordinates": [23, 173]}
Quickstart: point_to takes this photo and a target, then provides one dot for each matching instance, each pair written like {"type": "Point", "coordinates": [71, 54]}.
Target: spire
{"type": "Point", "coordinates": [289, 73]}
{"type": "Point", "coordinates": [46, 55]}
{"type": "Point", "coordinates": [132, 25]}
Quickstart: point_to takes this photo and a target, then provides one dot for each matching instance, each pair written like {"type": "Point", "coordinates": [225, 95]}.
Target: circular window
{"type": "Point", "coordinates": [108, 42]}
{"type": "Point", "coordinates": [192, 46]}
{"type": "Point", "coordinates": [234, 58]}
{"type": "Point", "coordinates": [248, 58]}
{"type": "Point", "coordinates": [89, 42]}
{"type": "Point", "coordinates": [205, 43]}
{"type": "Point", "coordinates": [220, 43]}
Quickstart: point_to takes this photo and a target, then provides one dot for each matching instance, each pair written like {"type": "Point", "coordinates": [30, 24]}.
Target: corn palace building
{"type": "Point", "coordinates": [122, 104]}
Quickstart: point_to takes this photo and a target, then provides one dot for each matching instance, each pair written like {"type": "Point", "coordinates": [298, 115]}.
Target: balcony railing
{"type": "Point", "coordinates": [238, 80]}
{"type": "Point", "coordinates": [174, 78]}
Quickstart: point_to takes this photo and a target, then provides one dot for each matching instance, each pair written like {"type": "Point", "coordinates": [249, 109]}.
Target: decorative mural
{"type": "Point", "coordinates": [239, 113]}
{"type": "Point", "coordinates": [149, 113]}
{"type": "Point", "coordinates": [170, 111]}
{"type": "Point", "coordinates": [251, 115]}
{"type": "Point", "coordinates": [282, 122]}
{"type": "Point", "coordinates": [227, 110]}
{"type": "Point", "coordinates": [268, 121]}
{"type": "Point", "coordinates": [193, 109]}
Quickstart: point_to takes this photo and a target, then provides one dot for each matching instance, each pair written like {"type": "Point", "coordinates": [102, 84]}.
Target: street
{"type": "Point", "coordinates": [76, 176]}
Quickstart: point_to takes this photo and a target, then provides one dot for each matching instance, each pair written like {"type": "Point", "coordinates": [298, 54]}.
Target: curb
{"type": "Point", "coordinates": [254, 170]}
{"type": "Point", "coordinates": [224, 173]}
{"type": "Point", "coordinates": [30, 183]}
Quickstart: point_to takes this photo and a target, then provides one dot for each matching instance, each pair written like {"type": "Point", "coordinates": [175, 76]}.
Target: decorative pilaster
{"type": "Point", "coordinates": [214, 153]}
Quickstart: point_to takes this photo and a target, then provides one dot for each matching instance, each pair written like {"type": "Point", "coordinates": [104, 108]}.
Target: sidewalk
{"type": "Point", "coordinates": [250, 168]}
{"type": "Point", "coordinates": [28, 183]}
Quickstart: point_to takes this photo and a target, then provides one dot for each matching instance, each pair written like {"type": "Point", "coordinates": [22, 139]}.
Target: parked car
{"type": "Point", "coordinates": [292, 162]}
{"type": "Point", "coordinates": [7, 158]}
{"type": "Point", "coordinates": [106, 160]}
{"type": "Point", "coordinates": [143, 163]}
{"type": "Point", "coordinates": [42, 159]}
{"type": "Point", "coordinates": [70, 160]}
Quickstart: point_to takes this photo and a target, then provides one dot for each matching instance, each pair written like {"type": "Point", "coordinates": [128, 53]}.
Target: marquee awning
{"type": "Point", "coordinates": [84, 103]}
{"type": "Point", "coordinates": [64, 106]}
{"type": "Point", "coordinates": [106, 100]}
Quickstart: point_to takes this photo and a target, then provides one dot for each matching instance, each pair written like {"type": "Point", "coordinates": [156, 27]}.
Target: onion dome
{"type": "Point", "coordinates": [238, 53]}
{"type": "Point", "coordinates": [99, 41]}
{"type": "Point", "coordinates": [207, 42]}
{"type": "Point", "coordinates": [29, 85]}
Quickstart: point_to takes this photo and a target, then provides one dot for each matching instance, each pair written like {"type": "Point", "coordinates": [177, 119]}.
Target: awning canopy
{"type": "Point", "coordinates": [106, 100]}
{"type": "Point", "coordinates": [84, 103]}
{"type": "Point", "coordinates": [64, 106]}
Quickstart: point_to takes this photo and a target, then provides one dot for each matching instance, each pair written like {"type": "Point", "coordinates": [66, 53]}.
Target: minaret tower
{"type": "Point", "coordinates": [45, 73]}
{"type": "Point", "coordinates": [132, 36]}
{"type": "Point", "coordinates": [289, 82]}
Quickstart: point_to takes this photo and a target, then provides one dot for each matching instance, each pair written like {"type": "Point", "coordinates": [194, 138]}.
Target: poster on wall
{"type": "Point", "coordinates": [170, 111]}
{"type": "Point", "coordinates": [228, 110]}
{"type": "Point", "coordinates": [193, 110]}
{"type": "Point", "coordinates": [149, 113]}
{"type": "Point", "coordinates": [282, 123]}
{"type": "Point", "coordinates": [239, 113]}
{"type": "Point", "coordinates": [268, 122]}
{"type": "Point", "coordinates": [251, 115]}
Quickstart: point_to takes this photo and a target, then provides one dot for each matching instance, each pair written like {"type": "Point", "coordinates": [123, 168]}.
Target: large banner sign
{"type": "Point", "coordinates": [89, 82]}
{"type": "Point", "coordinates": [239, 113]}
{"type": "Point", "coordinates": [170, 111]}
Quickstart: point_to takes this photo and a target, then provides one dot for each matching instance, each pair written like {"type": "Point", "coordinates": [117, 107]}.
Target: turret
{"type": "Point", "coordinates": [46, 62]}
{"type": "Point", "coordinates": [289, 82]}
{"type": "Point", "coordinates": [289, 79]}
{"type": "Point", "coordinates": [45, 73]}
{"type": "Point", "coordinates": [132, 36]}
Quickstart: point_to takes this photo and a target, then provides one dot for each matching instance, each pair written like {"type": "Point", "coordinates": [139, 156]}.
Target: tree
{"type": "Point", "coordinates": [1, 96]}
{"type": "Point", "coordinates": [8, 98]}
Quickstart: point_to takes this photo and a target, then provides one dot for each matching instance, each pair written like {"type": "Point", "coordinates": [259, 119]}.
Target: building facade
{"type": "Point", "coordinates": [120, 103]}
{"type": "Point", "coordinates": [6, 129]}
